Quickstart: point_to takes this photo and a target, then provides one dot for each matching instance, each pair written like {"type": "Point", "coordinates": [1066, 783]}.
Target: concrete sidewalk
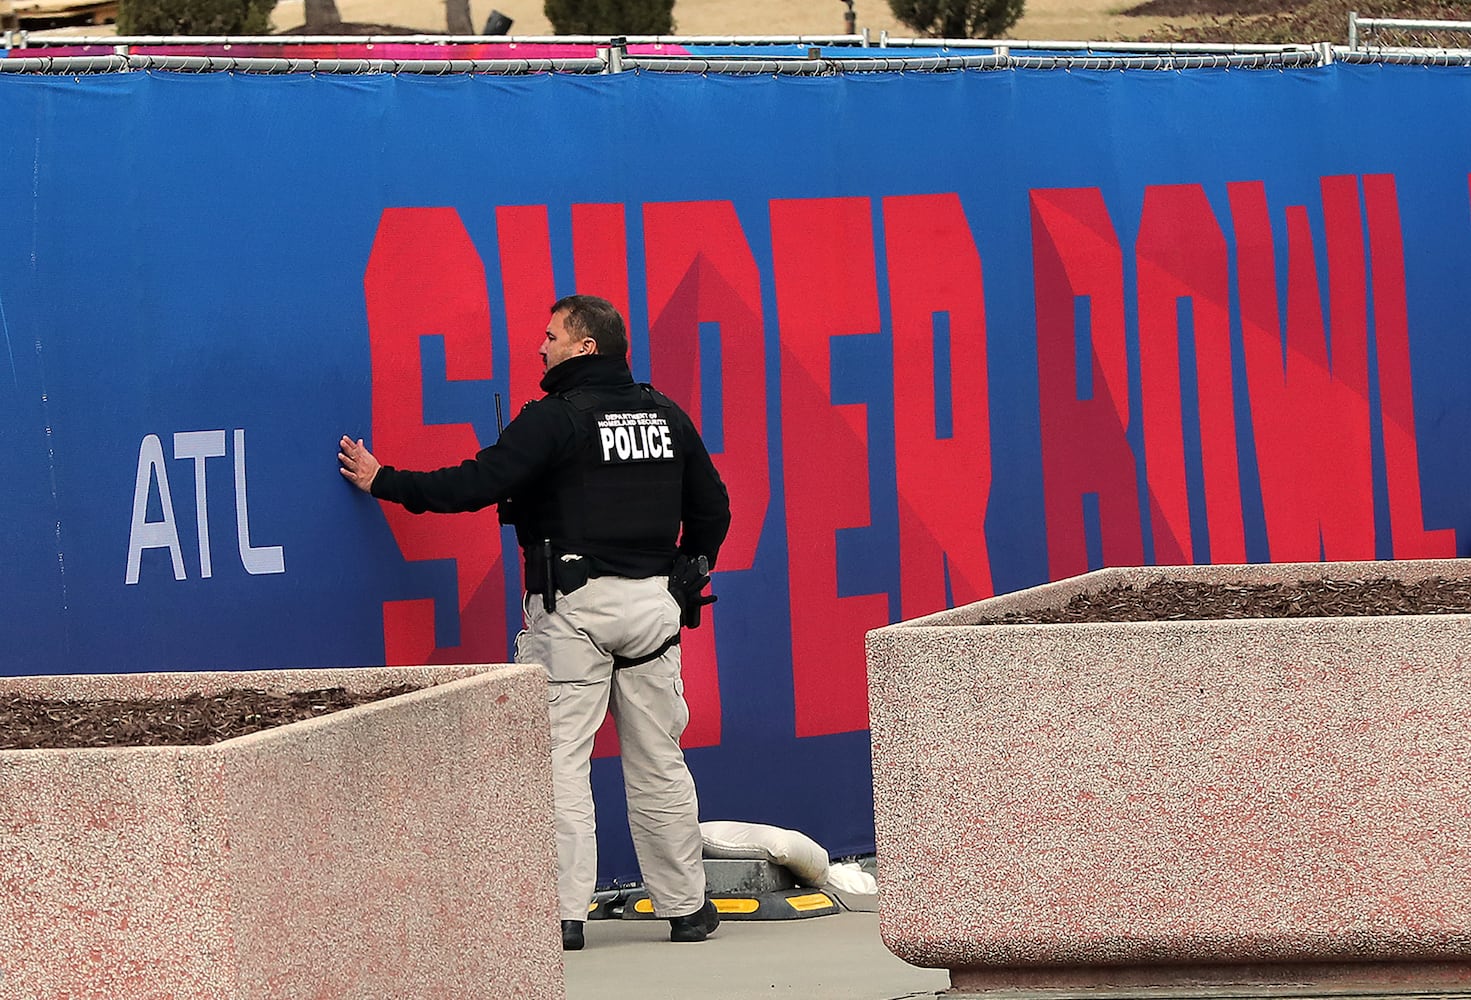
{"type": "Point", "coordinates": [835, 957]}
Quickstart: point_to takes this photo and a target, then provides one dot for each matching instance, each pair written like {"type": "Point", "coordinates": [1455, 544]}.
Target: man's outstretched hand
{"type": "Point", "coordinates": [358, 464]}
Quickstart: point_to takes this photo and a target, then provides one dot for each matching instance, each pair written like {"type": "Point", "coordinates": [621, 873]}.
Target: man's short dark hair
{"type": "Point", "coordinates": [591, 316]}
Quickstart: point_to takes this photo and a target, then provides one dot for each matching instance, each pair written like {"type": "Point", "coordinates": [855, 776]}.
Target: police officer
{"type": "Point", "coordinates": [611, 491]}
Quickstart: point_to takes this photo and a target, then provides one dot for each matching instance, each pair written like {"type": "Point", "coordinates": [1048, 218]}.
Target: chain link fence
{"type": "Point", "coordinates": [118, 63]}
{"type": "Point", "coordinates": [1383, 34]}
{"type": "Point", "coordinates": [1371, 40]}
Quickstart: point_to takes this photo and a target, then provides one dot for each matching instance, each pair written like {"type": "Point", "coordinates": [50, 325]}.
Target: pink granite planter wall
{"type": "Point", "coordinates": [1268, 800]}
{"type": "Point", "coordinates": [401, 849]}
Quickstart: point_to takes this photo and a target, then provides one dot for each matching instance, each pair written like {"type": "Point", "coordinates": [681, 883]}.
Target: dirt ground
{"type": "Point", "coordinates": [1062, 20]}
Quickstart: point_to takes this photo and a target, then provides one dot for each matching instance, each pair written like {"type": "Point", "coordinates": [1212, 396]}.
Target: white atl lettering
{"type": "Point", "coordinates": [198, 447]}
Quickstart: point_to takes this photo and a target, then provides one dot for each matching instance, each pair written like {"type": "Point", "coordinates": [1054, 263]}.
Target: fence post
{"type": "Point", "coordinates": [613, 54]}
{"type": "Point", "coordinates": [1353, 30]}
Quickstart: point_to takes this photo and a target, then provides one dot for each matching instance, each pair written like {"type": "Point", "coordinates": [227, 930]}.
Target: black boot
{"type": "Point", "coordinates": [695, 926]}
{"type": "Point", "coordinates": [572, 935]}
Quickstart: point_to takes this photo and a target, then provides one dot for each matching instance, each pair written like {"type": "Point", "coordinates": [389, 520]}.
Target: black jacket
{"type": "Point", "coordinates": [539, 445]}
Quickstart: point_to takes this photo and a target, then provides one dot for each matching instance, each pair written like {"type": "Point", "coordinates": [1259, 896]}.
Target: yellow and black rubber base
{"type": "Point", "coordinates": [779, 904]}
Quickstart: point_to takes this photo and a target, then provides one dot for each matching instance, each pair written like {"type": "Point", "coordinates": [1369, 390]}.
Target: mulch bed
{"type": "Point", "coordinates": [1209, 8]}
{"type": "Point", "coordinates": [1181, 601]}
{"type": "Point", "coordinates": [28, 723]}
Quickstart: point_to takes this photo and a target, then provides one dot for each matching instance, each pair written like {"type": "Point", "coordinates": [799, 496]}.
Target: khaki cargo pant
{"type": "Point", "coordinates": [576, 643]}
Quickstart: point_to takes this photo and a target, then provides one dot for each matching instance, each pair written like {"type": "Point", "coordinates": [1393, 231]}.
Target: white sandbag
{"type": "Point", "coordinates": [850, 877]}
{"type": "Point", "coordinates": [854, 888]}
{"type": "Point", "coordinates": [796, 852]}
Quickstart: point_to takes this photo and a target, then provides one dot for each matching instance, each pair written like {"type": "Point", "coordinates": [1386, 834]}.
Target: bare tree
{"type": "Point", "coordinates": [457, 17]}
{"type": "Point", "coordinates": [322, 17]}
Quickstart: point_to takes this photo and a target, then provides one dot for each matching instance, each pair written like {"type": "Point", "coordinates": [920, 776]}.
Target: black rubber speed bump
{"type": "Point", "coordinates": [608, 904]}
{"type": "Point", "coordinates": [747, 890]}
{"type": "Point", "coordinates": [782, 904]}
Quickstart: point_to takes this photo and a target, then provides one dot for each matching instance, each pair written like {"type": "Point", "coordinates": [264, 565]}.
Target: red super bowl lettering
{"type": "Point", "coordinates": [424, 278]}
{"type": "Point", "coordinates": [1108, 446]}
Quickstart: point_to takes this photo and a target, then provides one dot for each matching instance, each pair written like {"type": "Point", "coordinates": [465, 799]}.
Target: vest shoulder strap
{"type": "Point", "coordinates": [579, 397]}
{"type": "Point", "coordinates": [658, 397]}
{"type": "Point", "coordinates": [586, 401]}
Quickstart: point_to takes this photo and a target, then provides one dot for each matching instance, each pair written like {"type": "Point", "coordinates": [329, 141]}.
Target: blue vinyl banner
{"type": "Point", "coordinates": [947, 335]}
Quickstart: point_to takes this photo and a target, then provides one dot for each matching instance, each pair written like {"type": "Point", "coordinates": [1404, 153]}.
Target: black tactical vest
{"type": "Point", "coordinates": [617, 504]}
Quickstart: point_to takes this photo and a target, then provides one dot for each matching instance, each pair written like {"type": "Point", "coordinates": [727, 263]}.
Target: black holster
{"type": "Point", "coordinates": [687, 578]}
{"type": "Point", "coordinates": [548, 572]}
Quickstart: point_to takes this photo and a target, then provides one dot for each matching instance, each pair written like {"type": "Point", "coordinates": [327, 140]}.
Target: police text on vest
{"type": "Point", "coordinates": [634, 437]}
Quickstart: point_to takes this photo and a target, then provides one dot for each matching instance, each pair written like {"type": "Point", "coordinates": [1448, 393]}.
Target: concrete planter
{"type": "Point", "coordinates": [399, 849]}
{"type": "Point", "coordinates": [1281, 802]}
